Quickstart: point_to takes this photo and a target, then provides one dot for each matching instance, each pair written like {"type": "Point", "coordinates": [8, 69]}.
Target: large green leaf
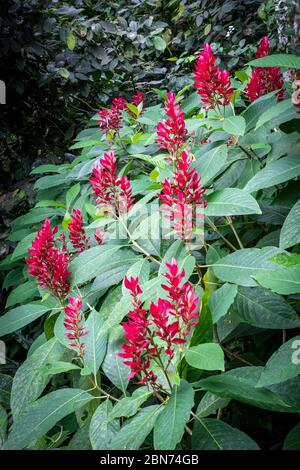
{"type": "Point", "coordinates": [277, 172]}
{"type": "Point", "coordinates": [284, 364]}
{"type": "Point", "coordinates": [241, 266]}
{"type": "Point", "coordinates": [29, 380]}
{"type": "Point", "coordinates": [221, 299]}
{"type": "Point", "coordinates": [210, 403]}
{"type": "Point", "coordinates": [290, 232]}
{"type": "Point", "coordinates": [22, 293]}
{"type": "Point", "coordinates": [278, 60]}
{"type": "Point", "coordinates": [129, 406]}
{"type": "Point", "coordinates": [264, 309]}
{"type": "Point", "coordinates": [169, 426]}
{"type": "Point", "coordinates": [20, 316]}
{"type": "Point", "coordinates": [93, 262]}
{"type": "Point", "coordinates": [95, 342]}
{"type": "Point", "coordinates": [292, 440]}
{"type": "Point", "coordinates": [206, 356]}
{"type": "Point", "coordinates": [231, 201]}
{"type": "Point", "coordinates": [103, 428]}
{"type": "Point", "coordinates": [113, 365]}
{"type": "Point", "coordinates": [241, 384]}
{"type": "Point", "coordinates": [39, 417]}
{"type": "Point", "coordinates": [273, 112]}
{"type": "Point", "coordinates": [283, 280]}
{"type": "Point", "coordinates": [213, 434]}
{"type": "Point", "coordinates": [235, 125]}
{"type": "Point", "coordinates": [135, 430]}
{"type": "Point", "coordinates": [210, 163]}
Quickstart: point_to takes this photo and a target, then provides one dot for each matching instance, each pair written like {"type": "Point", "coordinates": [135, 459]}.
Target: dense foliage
{"type": "Point", "coordinates": [159, 302]}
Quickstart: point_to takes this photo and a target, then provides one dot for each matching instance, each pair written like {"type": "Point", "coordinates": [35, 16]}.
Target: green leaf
{"type": "Point", "coordinates": [206, 356]}
{"type": "Point", "coordinates": [29, 380]}
{"type": "Point", "coordinates": [71, 195]}
{"type": "Point", "coordinates": [20, 316]}
{"type": "Point", "coordinates": [21, 249]}
{"type": "Point", "coordinates": [241, 384]}
{"type": "Point", "coordinates": [3, 425]}
{"type": "Point", "coordinates": [221, 300]}
{"type": "Point", "coordinates": [209, 404]}
{"type": "Point", "coordinates": [5, 388]}
{"type": "Point", "coordinates": [277, 172]}
{"type": "Point", "coordinates": [290, 232]}
{"type": "Point", "coordinates": [264, 309]}
{"type": "Point", "coordinates": [213, 434]}
{"type": "Point", "coordinates": [133, 109]}
{"type": "Point", "coordinates": [159, 43]}
{"type": "Point", "coordinates": [231, 201]}
{"type": "Point", "coordinates": [95, 342]}
{"type": "Point", "coordinates": [135, 430]}
{"type": "Point", "coordinates": [281, 366]}
{"type": "Point", "coordinates": [71, 41]}
{"type": "Point", "coordinates": [169, 426]}
{"type": "Point", "coordinates": [92, 262]}
{"type": "Point", "coordinates": [103, 428]}
{"type": "Point", "coordinates": [39, 417]}
{"type": "Point", "coordinates": [113, 365]}
{"type": "Point", "coordinates": [273, 112]}
{"type": "Point", "coordinates": [235, 125]}
{"type": "Point", "coordinates": [64, 73]}
{"type": "Point", "coordinates": [58, 367]}
{"type": "Point", "coordinates": [241, 266]}
{"type": "Point", "coordinates": [210, 163]}
{"type": "Point", "coordinates": [283, 280]}
{"type": "Point", "coordinates": [278, 60]}
{"type": "Point", "coordinates": [292, 440]}
{"type": "Point", "coordinates": [20, 294]}
{"type": "Point", "coordinates": [129, 406]}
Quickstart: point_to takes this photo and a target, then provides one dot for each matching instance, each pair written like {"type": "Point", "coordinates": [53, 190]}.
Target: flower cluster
{"type": "Point", "coordinates": [172, 131]}
{"type": "Point", "coordinates": [263, 80]}
{"type": "Point", "coordinates": [167, 324]}
{"type": "Point", "coordinates": [182, 198]}
{"type": "Point", "coordinates": [213, 84]}
{"type": "Point", "coordinates": [296, 94]}
{"type": "Point", "coordinates": [48, 263]}
{"type": "Point", "coordinates": [77, 235]}
{"type": "Point", "coordinates": [73, 324]}
{"type": "Point", "coordinates": [111, 119]}
{"type": "Point", "coordinates": [138, 98]}
{"type": "Point", "coordinates": [112, 193]}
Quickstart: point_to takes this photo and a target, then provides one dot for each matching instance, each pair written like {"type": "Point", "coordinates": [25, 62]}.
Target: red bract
{"type": "Point", "coordinates": [213, 84]}
{"type": "Point", "coordinates": [47, 263]}
{"type": "Point", "coordinates": [182, 198]}
{"type": "Point", "coordinates": [296, 94]}
{"type": "Point", "coordinates": [77, 235]}
{"type": "Point", "coordinates": [112, 192]}
{"type": "Point", "coordinates": [172, 131]}
{"type": "Point", "coordinates": [73, 323]}
{"type": "Point", "coordinates": [137, 337]}
{"type": "Point", "coordinates": [138, 98]}
{"type": "Point", "coordinates": [111, 119]}
{"type": "Point", "coordinates": [263, 80]}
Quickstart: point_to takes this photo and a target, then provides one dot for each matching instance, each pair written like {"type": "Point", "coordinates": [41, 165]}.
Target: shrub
{"type": "Point", "coordinates": [166, 251]}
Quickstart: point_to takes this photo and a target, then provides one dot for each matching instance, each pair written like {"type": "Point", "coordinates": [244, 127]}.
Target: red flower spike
{"type": "Point", "coordinates": [111, 191]}
{"type": "Point", "coordinates": [181, 197]}
{"type": "Point", "coordinates": [172, 131]}
{"type": "Point", "coordinates": [111, 119]}
{"type": "Point", "coordinates": [73, 323]}
{"type": "Point", "coordinates": [296, 94]}
{"type": "Point", "coordinates": [77, 235]}
{"type": "Point", "coordinates": [263, 80]}
{"type": "Point", "coordinates": [138, 98]}
{"type": "Point", "coordinates": [47, 263]}
{"type": "Point", "coordinates": [213, 84]}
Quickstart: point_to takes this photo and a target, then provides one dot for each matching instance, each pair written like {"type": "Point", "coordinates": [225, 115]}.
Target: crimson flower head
{"type": "Point", "coordinates": [119, 103]}
{"type": "Point", "coordinates": [132, 284]}
{"type": "Point", "coordinates": [77, 235]}
{"type": "Point", "coordinates": [263, 80]}
{"type": "Point", "coordinates": [48, 263]}
{"type": "Point", "coordinates": [138, 98]}
{"type": "Point", "coordinates": [172, 131]}
{"type": "Point", "coordinates": [182, 198]}
{"type": "Point", "coordinates": [73, 324]}
{"type": "Point", "coordinates": [213, 84]}
{"type": "Point", "coordinates": [111, 119]}
{"type": "Point", "coordinates": [112, 192]}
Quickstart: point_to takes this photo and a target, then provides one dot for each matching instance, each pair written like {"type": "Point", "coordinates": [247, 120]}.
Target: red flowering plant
{"type": "Point", "coordinates": [127, 320]}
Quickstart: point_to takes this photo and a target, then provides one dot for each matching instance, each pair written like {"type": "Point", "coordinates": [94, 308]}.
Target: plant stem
{"type": "Point", "coordinates": [234, 231]}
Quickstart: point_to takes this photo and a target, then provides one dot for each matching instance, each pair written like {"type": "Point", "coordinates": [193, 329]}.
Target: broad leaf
{"type": "Point", "coordinates": [103, 428]}
{"type": "Point", "coordinates": [206, 356]}
{"type": "Point", "coordinates": [113, 365]}
{"type": "Point", "coordinates": [231, 201]}
{"type": "Point", "coordinates": [20, 316]}
{"type": "Point", "coordinates": [290, 232]}
{"type": "Point", "coordinates": [221, 300]}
